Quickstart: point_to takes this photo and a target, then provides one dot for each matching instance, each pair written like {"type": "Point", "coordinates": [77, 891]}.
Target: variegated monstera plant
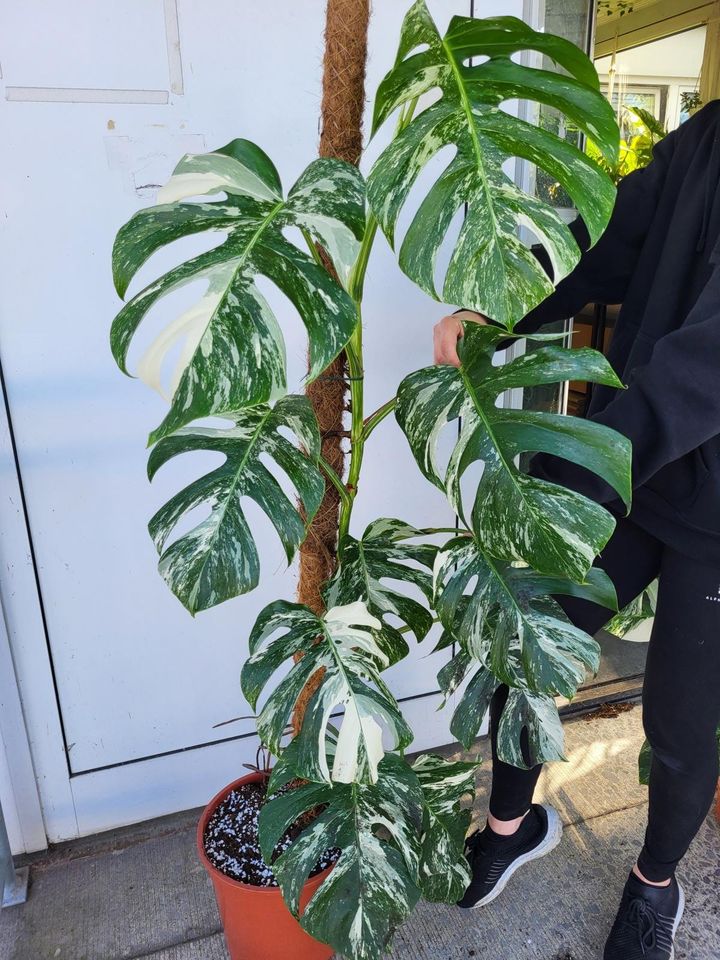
{"type": "Point", "coordinates": [521, 541]}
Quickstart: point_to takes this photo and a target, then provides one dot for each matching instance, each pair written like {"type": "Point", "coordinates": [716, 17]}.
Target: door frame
{"type": "Point", "coordinates": [29, 729]}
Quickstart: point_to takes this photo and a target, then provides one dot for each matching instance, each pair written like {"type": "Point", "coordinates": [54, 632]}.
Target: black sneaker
{"type": "Point", "coordinates": [494, 860]}
{"type": "Point", "coordinates": [646, 922]}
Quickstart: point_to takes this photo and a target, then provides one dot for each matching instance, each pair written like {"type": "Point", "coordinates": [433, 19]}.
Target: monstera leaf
{"type": "Point", "coordinates": [490, 270]}
{"type": "Point", "coordinates": [524, 709]}
{"type": "Point", "coordinates": [507, 604]}
{"type": "Point", "coordinates": [639, 610]}
{"type": "Point", "coordinates": [382, 554]}
{"type": "Point", "coordinates": [514, 516]}
{"type": "Point", "coordinates": [343, 648]}
{"type": "Point", "coordinates": [373, 886]}
{"type": "Point", "coordinates": [230, 349]}
{"type": "Point", "coordinates": [218, 558]}
{"type": "Point", "coordinates": [538, 714]}
{"type": "Point", "coordinates": [444, 869]}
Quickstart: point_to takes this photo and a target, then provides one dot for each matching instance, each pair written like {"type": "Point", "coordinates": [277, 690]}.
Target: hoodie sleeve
{"type": "Point", "coordinates": [671, 405]}
{"type": "Point", "coordinates": [604, 271]}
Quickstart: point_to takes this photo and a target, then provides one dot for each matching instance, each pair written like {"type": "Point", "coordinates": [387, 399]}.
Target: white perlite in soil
{"type": "Point", "coordinates": [231, 839]}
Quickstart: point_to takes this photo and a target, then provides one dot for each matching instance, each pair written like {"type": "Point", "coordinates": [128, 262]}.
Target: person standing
{"type": "Point", "coordinates": [659, 258]}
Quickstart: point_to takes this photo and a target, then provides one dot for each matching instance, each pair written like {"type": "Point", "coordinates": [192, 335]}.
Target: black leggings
{"type": "Point", "coordinates": [681, 694]}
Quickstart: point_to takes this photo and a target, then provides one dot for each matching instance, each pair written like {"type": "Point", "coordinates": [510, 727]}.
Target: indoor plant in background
{"type": "Point", "coordinates": [397, 825]}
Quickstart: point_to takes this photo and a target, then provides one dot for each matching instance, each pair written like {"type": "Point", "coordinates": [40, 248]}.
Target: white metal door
{"type": "Point", "coordinates": [121, 689]}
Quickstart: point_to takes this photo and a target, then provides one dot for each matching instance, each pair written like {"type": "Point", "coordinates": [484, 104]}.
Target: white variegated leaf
{"type": "Point", "coordinates": [490, 270]}
{"type": "Point", "coordinates": [515, 516]}
{"type": "Point", "coordinates": [374, 885]}
{"type": "Point", "coordinates": [538, 715]}
{"type": "Point", "coordinates": [218, 559]}
{"type": "Point", "coordinates": [227, 350]}
{"type": "Point", "coordinates": [373, 565]}
{"type": "Point", "coordinates": [490, 606]}
{"type": "Point", "coordinates": [344, 649]}
{"type": "Point", "coordinates": [444, 869]}
{"type": "Point", "coordinates": [639, 610]}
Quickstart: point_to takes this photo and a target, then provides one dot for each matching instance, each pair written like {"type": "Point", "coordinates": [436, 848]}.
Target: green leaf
{"type": "Point", "coordinates": [373, 887]}
{"type": "Point", "coordinates": [452, 673]}
{"type": "Point", "coordinates": [524, 710]}
{"type": "Point", "coordinates": [232, 353]}
{"type": "Point", "coordinates": [537, 714]}
{"type": "Point", "coordinates": [639, 610]}
{"type": "Point", "coordinates": [444, 869]}
{"type": "Point", "coordinates": [382, 554]}
{"type": "Point", "coordinates": [645, 763]}
{"type": "Point", "coordinates": [345, 646]}
{"type": "Point", "coordinates": [218, 559]}
{"type": "Point", "coordinates": [490, 270]}
{"type": "Point", "coordinates": [514, 516]}
{"type": "Point", "coordinates": [491, 606]}
{"type": "Point", "coordinates": [474, 703]}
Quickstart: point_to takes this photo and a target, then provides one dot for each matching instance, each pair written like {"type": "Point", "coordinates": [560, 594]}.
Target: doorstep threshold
{"type": "Point", "coordinates": [590, 697]}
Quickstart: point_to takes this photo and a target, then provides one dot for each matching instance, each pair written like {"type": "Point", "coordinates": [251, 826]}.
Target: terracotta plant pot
{"type": "Point", "coordinates": [257, 924]}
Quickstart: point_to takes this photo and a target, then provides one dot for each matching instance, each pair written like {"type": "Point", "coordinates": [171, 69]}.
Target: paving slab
{"type": "Point", "coordinates": [140, 893]}
{"type": "Point", "coordinates": [120, 904]}
{"type": "Point", "coordinates": [562, 907]}
{"type": "Point", "coordinates": [206, 948]}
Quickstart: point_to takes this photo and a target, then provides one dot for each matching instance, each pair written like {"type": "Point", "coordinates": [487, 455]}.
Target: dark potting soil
{"type": "Point", "coordinates": [231, 838]}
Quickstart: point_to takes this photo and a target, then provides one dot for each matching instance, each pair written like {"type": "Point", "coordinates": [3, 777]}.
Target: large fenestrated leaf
{"type": "Point", "coordinates": [218, 559]}
{"type": "Point", "coordinates": [490, 605]}
{"type": "Point", "coordinates": [490, 270]}
{"type": "Point", "coordinates": [383, 554]}
{"type": "Point", "coordinates": [230, 350]}
{"type": "Point", "coordinates": [538, 714]}
{"type": "Point", "coordinates": [344, 645]}
{"type": "Point", "coordinates": [515, 516]}
{"type": "Point", "coordinates": [444, 869]}
{"type": "Point", "coordinates": [373, 886]}
{"type": "Point", "coordinates": [524, 710]}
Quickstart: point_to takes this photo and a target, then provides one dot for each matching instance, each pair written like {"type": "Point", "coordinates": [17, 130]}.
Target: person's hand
{"type": "Point", "coordinates": [447, 333]}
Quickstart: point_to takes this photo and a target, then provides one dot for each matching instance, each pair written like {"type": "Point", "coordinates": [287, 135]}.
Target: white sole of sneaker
{"type": "Point", "coordinates": [552, 839]}
{"type": "Point", "coordinates": [678, 918]}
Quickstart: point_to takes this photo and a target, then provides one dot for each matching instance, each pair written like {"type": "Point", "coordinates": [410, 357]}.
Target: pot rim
{"type": "Point", "coordinates": [216, 874]}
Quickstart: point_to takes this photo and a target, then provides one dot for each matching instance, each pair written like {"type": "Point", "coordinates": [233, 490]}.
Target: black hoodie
{"type": "Point", "coordinates": [660, 258]}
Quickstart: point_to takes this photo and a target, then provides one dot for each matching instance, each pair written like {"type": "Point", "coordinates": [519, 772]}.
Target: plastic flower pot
{"type": "Point", "coordinates": [256, 922]}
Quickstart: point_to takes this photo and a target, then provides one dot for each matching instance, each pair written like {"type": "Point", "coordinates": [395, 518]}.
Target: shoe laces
{"type": "Point", "coordinates": [640, 917]}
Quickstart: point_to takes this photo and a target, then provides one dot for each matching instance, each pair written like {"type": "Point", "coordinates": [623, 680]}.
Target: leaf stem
{"type": "Point", "coordinates": [334, 479]}
{"type": "Point", "coordinates": [378, 416]}
{"type": "Point", "coordinates": [359, 431]}
{"type": "Point", "coordinates": [430, 531]}
{"type": "Point", "coordinates": [356, 282]}
{"type": "Point", "coordinates": [354, 353]}
{"type": "Point", "coordinates": [312, 247]}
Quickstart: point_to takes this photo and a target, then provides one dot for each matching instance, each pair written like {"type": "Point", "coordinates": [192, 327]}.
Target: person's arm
{"type": "Point", "coordinates": [671, 405]}
{"type": "Point", "coordinates": [603, 271]}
